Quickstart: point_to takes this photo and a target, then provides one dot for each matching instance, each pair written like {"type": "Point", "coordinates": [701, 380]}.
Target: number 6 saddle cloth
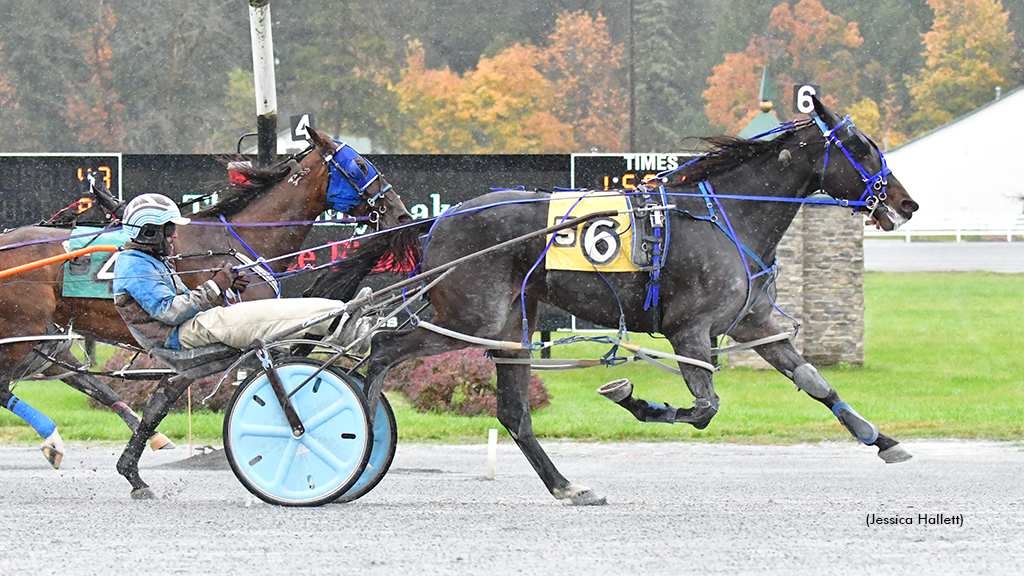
{"type": "Point", "coordinates": [603, 244]}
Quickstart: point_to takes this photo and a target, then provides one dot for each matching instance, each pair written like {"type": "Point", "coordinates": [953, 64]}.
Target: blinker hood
{"type": "Point", "coordinates": [347, 184]}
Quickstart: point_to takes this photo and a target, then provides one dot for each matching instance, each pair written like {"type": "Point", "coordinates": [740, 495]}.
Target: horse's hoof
{"type": "Point", "coordinates": [616, 390]}
{"type": "Point", "coordinates": [160, 442]}
{"type": "Point", "coordinates": [143, 494]}
{"type": "Point", "coordinates": [52, 456]}
{"type": "Point", "coordinates": [580, 496]}
{"type": "Point", "coordinates": [53, 449]}
{"type": "Point", "coordinates": [588, 498]}
{"type": "Point", "coordinates": [894, 454]}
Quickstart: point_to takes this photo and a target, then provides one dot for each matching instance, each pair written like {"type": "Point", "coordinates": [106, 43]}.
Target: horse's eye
{"type": "Point", "coordinates": [362, 166]}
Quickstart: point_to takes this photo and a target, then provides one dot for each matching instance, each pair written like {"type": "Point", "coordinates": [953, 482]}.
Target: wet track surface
{"type": "Point", "coordinates": [895, 255]}
{"type": "Point", "coordinates": [673, 508]}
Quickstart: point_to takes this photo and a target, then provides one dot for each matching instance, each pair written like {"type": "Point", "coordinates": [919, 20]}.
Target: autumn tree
{"type": "Point", "coordinates": [93, 111]}
{"type": "Point", "coordinates": [803, 44]}
{"type": "Point", "coordinates": [588, 74]}
{"type": "Point", "coordinates": [501, 106]}
{"type": "Point", "coordinates": [566, 95]}
{"type": "Point", "coordinates": [968, 53]}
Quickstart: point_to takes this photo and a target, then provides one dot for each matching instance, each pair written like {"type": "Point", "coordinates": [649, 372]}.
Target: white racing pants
{"type": "Point", "coordinates": [240, 324]}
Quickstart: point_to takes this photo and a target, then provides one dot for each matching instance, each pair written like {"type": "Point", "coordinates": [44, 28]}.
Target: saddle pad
{"type": "Point", "coordinates": [92, 275]}
{"type": "Point", "coordinates": [602, 244]}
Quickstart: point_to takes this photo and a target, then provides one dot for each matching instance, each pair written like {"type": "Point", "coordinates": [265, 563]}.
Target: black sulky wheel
{"type": "Point", "coordinates": [309, 471]}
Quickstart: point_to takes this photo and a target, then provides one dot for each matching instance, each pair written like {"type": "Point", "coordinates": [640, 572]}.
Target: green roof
{"type": "Point", "coordinates": [761, 123]}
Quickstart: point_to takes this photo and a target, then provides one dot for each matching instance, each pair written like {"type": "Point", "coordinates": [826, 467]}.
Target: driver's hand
{"type": "Point", "coordinates": [224, 277]}
{"type": "Point", "coordinates": [241, 282]}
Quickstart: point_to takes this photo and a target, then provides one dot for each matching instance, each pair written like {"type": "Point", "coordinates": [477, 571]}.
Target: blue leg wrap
{"type": "Point", "coordinates": [36, 419]}
{"type": "Point", "coordinates": [863, 430]}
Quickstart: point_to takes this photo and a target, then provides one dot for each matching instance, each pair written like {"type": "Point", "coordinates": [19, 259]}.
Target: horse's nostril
{"type": "Point", "coordinates": [909, 205]}
{"type": "Point", "coordinates": [404, 219]}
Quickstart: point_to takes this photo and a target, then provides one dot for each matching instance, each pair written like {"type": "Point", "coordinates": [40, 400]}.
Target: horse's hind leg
{"type": "Point", "coordinates": [168, 391]}
{"type": "Point", "coordinates": [784, 358]}
{"type": "Point", "coordinates": [514, 415]}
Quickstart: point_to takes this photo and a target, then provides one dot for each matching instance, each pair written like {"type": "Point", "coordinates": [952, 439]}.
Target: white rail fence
{"type": "Point", "coordinates": [1006, 228]}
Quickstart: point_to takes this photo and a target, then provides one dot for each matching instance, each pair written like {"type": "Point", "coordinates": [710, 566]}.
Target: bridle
{"type": "Point", "coordinates": [348, 182]}
{"type": "Point", "coordinates": [874, 184]}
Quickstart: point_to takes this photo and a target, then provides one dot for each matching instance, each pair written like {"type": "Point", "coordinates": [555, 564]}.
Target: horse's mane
{"type": "Point", "coordinates": [393, 249]}
{"type": "Point", "coordinates": [258, 180]}
{"type": "Point", "coordinates": [723, 153]}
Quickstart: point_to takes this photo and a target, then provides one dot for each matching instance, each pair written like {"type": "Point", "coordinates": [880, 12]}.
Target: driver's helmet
{"type": "Point", "coordinates": [146, 215]}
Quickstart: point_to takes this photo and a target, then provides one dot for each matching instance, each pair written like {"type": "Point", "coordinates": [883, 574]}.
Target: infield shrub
{"type": "Point", "coordinates": [462, 382]}
{"type": "Point", "coordinates": [135, 393]}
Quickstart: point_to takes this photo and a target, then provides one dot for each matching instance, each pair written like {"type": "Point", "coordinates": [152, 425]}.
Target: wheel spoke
{"type": "Point", "coordinates": [329, 458]}
{"type": "Point", "coordinates": [243, 429]}
{"type": "Point", "coordinates": [283, 467]}
{"type": "Point", "coordinates": [327, 414]}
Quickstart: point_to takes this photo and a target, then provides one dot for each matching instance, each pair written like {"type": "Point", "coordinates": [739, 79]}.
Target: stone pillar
{"type": "Point", "coordinates": [821, 284]}
{"type": "Point", "coordinates": [833, 322]}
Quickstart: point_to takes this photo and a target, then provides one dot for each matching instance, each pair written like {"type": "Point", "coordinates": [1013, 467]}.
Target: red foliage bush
{"type": "Point", "coordinates": [462, 382]}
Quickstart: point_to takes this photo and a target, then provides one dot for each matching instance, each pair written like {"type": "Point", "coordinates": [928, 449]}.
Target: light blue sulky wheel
{"type": "Point", "coordinates": [385, 438]}
{"type": "Point", "coordinates": [314, 469]}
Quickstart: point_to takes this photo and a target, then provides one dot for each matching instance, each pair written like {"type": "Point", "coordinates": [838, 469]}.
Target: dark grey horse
{"type": "Point", "coordinates": [706, 289]}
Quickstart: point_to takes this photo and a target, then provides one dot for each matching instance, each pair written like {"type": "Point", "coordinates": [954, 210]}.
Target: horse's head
{"type": "Point", "coordinates": [854, 169]}
{"type": "Point", "coordinates": [355, 187]}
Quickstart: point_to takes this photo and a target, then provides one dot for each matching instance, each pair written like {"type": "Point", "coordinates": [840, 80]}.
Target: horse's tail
{"type": "Point", "coordinates": [391, 250]}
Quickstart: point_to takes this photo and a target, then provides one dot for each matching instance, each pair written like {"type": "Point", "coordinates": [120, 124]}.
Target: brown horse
{"type": "Point", "coordinates": [31, 302]}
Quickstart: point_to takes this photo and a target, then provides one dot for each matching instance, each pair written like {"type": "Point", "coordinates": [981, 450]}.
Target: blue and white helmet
{"type": "Point", "coordinates": [150, 209]}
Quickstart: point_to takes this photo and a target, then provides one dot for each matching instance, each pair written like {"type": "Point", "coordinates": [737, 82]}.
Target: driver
{"type": "Point", "coordinates": [161, 311]}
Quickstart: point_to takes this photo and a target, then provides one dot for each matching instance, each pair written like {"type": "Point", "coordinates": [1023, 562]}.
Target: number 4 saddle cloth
{"type": "Point", "coordinates": [604, 244]}
{"type": "Point", "coordinates": [91, 275]}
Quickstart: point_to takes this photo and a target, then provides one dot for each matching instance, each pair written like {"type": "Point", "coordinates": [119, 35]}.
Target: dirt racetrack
{"type": "Point", "coordinates": [673, 508]}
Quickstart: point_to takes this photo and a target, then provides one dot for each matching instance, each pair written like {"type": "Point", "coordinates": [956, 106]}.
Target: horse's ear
{"type": "Point", "coordinates": [821, 111]}
{"type": "Point", "coordinates": [319, 139]}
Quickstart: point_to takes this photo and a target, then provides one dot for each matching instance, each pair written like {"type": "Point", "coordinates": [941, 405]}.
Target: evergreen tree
{"type": "Point", "coordinates": [666, 65]}
{"type": "Point", "coordinates": [338, 66]}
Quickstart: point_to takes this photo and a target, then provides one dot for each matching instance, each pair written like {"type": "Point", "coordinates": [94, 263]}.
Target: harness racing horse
{"type": "Point", "coordinates": [706, 287]}
{"type": "Point", "coordinates": [31, 302]}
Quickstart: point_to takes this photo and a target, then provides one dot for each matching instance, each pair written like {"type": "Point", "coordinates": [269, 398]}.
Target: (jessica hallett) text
{"type": "Point", "coordinates": [940, 519]}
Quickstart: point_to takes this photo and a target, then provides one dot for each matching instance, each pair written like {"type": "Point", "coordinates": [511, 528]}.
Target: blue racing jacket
{"type": "Point", "coordinates": [153, 300]}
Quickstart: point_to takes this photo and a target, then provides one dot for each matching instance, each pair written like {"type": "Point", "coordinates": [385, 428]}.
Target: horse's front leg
{"type": "Point", "coordinates": [784, 358]}
{"type": "Point", "coordinates": [168, 391]}
{"type": "Point", "coordinates": [698, 380]}
{"type": "Point", "coordinates": [514, 415]}
{"type": "Point", "coordinates": [53, 445]}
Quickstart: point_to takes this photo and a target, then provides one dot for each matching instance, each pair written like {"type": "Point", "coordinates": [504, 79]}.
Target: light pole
{"type": "Point", "coordinates": [263, 75]}
{"type": "Point", "coordinates": [632, 85]}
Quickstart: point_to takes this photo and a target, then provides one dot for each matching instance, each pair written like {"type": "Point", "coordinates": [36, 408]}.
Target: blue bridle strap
{"type": "Point", "coordinates": [711, 200]}
{"type": "Point", "coordinates": [872, 182]}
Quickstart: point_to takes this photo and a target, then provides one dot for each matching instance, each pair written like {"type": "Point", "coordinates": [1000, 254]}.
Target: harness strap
{"type": "Point", "coordinates": [263, 270]}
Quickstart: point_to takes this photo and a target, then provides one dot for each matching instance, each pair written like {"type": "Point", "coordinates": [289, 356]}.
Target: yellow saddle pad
{"type": "Point", "coordinates": [604, 244]}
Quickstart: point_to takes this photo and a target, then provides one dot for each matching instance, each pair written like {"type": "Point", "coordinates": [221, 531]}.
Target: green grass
{"type": "Point", "coordinates": [943, 359]}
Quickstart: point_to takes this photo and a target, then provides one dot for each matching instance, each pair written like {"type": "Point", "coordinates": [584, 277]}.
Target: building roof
{"type": "Point", "coordinates": [968, 170]}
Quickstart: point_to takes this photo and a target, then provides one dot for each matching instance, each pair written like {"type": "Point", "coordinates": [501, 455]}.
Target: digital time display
{"type": "Point", "coordinates": [621, 171]}
{"type": "Point", "coordinates": [34, 187]}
